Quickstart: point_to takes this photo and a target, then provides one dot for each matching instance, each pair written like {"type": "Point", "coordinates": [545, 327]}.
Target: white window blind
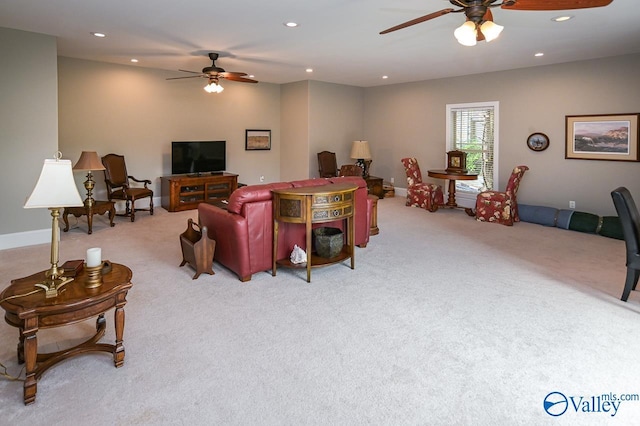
{"type": "Point", "coordinates": [472, 128]}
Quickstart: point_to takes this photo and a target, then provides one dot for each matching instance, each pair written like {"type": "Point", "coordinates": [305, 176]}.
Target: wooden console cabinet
{"type": "Point", "coordinates": [315, 204]}
{"type": "Point", "coordinates": [184, 192]}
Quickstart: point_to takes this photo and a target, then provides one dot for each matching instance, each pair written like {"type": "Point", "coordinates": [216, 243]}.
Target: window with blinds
{"type": "Point", "coordinates": [473, 128]}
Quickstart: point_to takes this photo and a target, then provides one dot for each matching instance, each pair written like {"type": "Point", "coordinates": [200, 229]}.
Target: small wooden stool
{"type": "Point", "coordinates": [374, 230]}
{"type": "Point", "coordinates": [197, 249]}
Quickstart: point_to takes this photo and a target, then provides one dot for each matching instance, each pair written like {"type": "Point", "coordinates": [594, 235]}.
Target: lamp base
{"type": "Point", "coordinates": [364, 165]}
{"type": "Point", "coordinates": [367, 164]}
{"type": "Point", "coordinates": [52, 286]}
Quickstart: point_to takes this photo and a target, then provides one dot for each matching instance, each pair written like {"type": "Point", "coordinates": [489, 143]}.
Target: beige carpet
{"type": "Point", "coordinates": [444, 321]}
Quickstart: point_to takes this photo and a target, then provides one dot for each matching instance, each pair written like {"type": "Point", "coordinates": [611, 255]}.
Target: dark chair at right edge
{"type": "Point", "coordinates": [630, 220]}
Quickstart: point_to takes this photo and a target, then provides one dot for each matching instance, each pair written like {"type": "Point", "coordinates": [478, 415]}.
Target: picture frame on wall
{"type": "Point", "coordinates": [602, 137]}
{"type": "Point", "coordinates": [256, 140]}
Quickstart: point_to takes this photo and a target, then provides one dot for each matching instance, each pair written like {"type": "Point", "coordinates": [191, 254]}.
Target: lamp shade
{"type": "Point", "coordinates": [466, 34]}
{"type": "Point", "coordinates": [360, 150]}
{"type": "Point", "coordinates": [55, 187]}
{"type": "Point", "coordinates": [89, 160]}
{"type": "Point", "coordinates": [491, 30]}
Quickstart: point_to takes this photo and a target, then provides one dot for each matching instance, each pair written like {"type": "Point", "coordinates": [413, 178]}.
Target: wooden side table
{"type": "Point", "coordinates": [374, 186]}
{"type": "Point", "coordinates": [315, 204]}
{"type": "Point", "coordinates": [75, 303]}
{"type": "Point", "coordinates": [98, 207]}
{"type": "Point", "coordinates": [452, 177]}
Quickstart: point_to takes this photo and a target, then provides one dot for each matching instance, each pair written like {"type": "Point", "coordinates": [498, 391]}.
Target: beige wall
{"type": "Point", "coordinates": [318, 116]}
{"type": "Point", "coordinates": [335, 120]}
{"type": "Point", "coordinates": [28, 127]}
{"type": "Point", "coordinates": [295, 130]}
{"type": "Point", "coordinates": [409, 120]}
{"type": "Point", "coordinates": [136, 112]}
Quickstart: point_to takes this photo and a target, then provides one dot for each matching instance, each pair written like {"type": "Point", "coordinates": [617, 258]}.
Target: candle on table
{"type": "Point", "coordinates": [94, 257]}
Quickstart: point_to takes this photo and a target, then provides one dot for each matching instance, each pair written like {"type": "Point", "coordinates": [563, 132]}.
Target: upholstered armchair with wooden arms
{"type": "Point", "coordinates": [118, 185]}
{"type": "Point", "coordinates": [501, 207]}
{"type": "Point", "coordinates": [327, 164]}
{"type": "Point", "coordinates": [421, 194]}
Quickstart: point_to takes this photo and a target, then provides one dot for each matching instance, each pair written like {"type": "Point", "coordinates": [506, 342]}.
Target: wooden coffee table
{"type": "Point", "coordinates": [74, 303]}
{"type": "Point", "coordinates": [98, 207]}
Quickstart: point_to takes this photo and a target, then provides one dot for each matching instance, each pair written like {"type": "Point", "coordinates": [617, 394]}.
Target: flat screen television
{"type": "Point", "coordinates": [198, 157]}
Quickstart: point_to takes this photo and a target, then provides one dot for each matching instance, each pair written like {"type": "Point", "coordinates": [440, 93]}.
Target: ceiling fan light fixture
{"type": "Point", "coordinates": [491, 30]}
{"type": "Point", "coordinates": [466, 34]}
{"type": "Point", "coordinates": [213, 88]}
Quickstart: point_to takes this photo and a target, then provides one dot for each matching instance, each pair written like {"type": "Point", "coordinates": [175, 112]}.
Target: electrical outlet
{"type": "Point", "coordinates": [572, 204]}
{"type": "Point", "coordinates": [261, 178]}
{"type": "Point", "coordinates": [392, 181]}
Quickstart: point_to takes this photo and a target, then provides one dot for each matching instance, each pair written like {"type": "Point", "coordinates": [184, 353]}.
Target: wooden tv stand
{"type": "Point", "coordinates": [185, 192]}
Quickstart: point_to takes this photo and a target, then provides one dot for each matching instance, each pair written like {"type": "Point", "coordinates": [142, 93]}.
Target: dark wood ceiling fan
{"type": "Point", "coordinates": [478, 11]}
{"type": "Point", "coordinates": [214, 72]}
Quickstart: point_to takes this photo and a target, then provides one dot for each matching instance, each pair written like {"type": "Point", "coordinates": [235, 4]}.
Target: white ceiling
{"type": "Point", "coordinates": [337, 38]}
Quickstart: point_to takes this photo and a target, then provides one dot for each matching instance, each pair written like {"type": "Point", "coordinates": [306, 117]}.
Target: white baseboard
{"type": "Point", "coordinates": [23, 239]}
{"type": "Point", "coordinates": [42, 236]}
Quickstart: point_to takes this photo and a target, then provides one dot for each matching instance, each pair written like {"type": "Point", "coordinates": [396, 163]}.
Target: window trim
{"type": "Point", "coordinates": [468, 198]}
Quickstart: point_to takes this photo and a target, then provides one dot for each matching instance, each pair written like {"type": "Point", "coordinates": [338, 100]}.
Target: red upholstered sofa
{"type": "Point", "coordinates": [244, 231]}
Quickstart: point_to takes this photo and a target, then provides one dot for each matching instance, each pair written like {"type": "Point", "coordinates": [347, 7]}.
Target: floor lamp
{"type": "Point", "coordinates": [54, 190]}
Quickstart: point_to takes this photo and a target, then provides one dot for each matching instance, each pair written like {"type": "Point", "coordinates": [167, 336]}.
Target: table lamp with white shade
{"type": "Point", "coordinates": [54, 190]}
{"type": "Point", "coordinates": [360, 151]}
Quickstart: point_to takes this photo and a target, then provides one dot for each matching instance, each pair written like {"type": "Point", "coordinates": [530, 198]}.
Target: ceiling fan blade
{"type": "Point", "coordinates": [226, 74]}
{"type": "Point", "coordinates": [555, 4]}
{"type": "Point", "coordinates": [488, 16]}
{"type": "Point", "coordinates": [191, 76]}
{"type": "Point", "coordinates": [419, 20]}
{"type": "Point", "coordinates": [192, 72]}
{"type": "Point", "coordinates": [240, 79]}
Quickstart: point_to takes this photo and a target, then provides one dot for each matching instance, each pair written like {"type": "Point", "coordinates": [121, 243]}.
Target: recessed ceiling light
{"type": "Point", "coordinates": [291, 24]}
{"type": "Point", "coordinates": [309, 70]}
{"type": "Point", "coordinates": [539, 54]}
{"type": "Point", "coordinates": [134, 60]}
{"type": "Point", "coordinates": [562, 18]}
{"type": "Point", "coordinates": [251, 76]}
{"type": "Point", "coordinates": [384, 77]}
{"type": "Point", "coordinates": [99, 34]}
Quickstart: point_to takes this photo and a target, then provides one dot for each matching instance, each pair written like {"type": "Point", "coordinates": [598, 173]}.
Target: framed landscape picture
{"type": "Point", "coordinates": [602, 137]}
{"type": "Point", "coordinates": [257, 140]}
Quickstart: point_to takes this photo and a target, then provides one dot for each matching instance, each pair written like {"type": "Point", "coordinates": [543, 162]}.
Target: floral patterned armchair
{"type": "Point", "coordinates": [501, 207]}
{"type": "Point", "coordinates": [421, 194]}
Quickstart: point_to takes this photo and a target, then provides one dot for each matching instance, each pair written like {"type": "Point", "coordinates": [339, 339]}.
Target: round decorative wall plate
{"type": "Point", "coordinates": [538, 142]}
